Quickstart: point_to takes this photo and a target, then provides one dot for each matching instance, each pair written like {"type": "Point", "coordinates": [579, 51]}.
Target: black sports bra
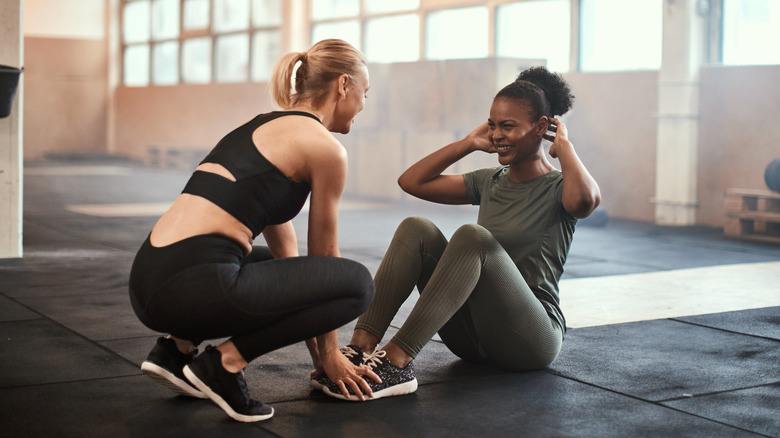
{"type": "Point", "coordinates": [261, 195]}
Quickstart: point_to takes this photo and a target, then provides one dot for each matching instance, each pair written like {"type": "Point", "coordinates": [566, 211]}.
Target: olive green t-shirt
{"type": "Point", "coordinates": [529, 221]}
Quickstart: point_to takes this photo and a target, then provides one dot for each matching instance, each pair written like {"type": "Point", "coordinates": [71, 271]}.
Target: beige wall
{"type": "Point", "coordinates": [613, 128]}
{"type": "Point", "coordinates": [412, 109]}
{"type": "Point", "coordinates": [181, 117]}
{"type": "Point", "coordinates": [739, 133]}
{"type": "Point", "coordinates": [65, 96]}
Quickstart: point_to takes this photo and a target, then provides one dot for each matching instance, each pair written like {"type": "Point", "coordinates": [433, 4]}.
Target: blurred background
{"type": "Point", "coordinates": [675, 104]}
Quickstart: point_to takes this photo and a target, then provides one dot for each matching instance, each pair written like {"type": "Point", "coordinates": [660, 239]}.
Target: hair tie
{"type": "Point", "coordinates": [294, 76]}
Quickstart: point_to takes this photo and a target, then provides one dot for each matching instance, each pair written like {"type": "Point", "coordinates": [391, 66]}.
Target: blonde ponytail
{"type": "Point", "coordinates": [281, 86]}
{"type": "Point", "coordinates": [312, 71]}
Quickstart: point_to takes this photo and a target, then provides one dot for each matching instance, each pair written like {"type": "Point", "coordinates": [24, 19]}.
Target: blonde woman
{"type": "Point", "coordinates": [198, 276]}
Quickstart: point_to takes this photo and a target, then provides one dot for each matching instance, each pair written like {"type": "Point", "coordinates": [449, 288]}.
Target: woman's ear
{"type": "Point", "coordinates": [542, 125]}
{"type": "Point", "coordinates": [343, 83]}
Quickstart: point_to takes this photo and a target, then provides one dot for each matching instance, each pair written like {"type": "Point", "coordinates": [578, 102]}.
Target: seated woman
{"type": "Point", "coordinates": [491, 291]}
{"type": "Point", "coordinates": [197, 276]}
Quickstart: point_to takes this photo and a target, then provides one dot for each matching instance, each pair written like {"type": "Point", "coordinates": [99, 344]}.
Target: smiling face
{"type": "Point", "coordinates": [514, 134]}
{"type": "Point", "coordinates": [353, 101]}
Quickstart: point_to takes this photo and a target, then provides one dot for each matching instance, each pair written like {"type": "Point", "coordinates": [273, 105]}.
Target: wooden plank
{"type": "Point", "coordinates": [753, 192]}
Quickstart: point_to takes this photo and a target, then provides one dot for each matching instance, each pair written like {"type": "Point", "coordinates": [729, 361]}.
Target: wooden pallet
{"type": "Point", "coordinates": [752, 214]}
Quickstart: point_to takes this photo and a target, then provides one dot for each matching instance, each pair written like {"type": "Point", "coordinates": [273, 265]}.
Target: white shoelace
{"type": "Point", "coordinates": [348, 351]}
{"type": "Point", "coordinates": [372, 360]}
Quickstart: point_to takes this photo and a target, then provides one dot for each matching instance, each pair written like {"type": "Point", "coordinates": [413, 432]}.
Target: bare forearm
{"type": "Point", "coordinates": [434, 164]}
{"type": "Point", "coordinates": [581, 193]}
{"type": "Point", "coordinates": [426, 181]}
{"type": "Point", "coordinates": [281, 240]}
{"type": "Point", "coordinates": [314, 351]}
{"type": "Point", "coordinates": [327, 344]}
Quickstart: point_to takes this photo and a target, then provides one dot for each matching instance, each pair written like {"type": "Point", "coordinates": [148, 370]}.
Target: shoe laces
{"type": "Point", "coordinates": [243, 386]}
{"type": "Point", "coordinates": [348, 351]}
{"type": "Point", "coordinates": [373, 360]}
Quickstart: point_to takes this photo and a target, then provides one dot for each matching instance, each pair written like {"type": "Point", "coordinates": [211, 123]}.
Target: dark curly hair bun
{"type": "Point", "coordinates": [547, 93]}
{"type": "Point", "coordinates": [555, 88]}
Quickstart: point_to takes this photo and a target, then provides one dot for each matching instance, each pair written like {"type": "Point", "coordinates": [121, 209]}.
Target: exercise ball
{"type": "Point", "coordinates": [772, 175]}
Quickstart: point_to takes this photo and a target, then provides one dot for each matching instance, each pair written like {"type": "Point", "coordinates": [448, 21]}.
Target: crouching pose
{"type": "Point", "coordinates": [491, 291]}
{"type": "Point", "coordinates": [197, 276]}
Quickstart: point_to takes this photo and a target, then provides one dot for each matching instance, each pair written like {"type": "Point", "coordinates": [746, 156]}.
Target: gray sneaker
{"type": "Point", "coordinates": [352, 352]}
{"type": "Point", "coordinates": [395, 381]}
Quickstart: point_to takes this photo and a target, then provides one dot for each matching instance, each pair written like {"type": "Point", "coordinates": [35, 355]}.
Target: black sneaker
{"type": "Point", "coordinates": [165, 364]}
{"type": "Point", "coordinates": [228, 390]}
{"type": "Point", "coordinates": [352, 352]}
{"type": "Point", "coordinates": [395, 381]}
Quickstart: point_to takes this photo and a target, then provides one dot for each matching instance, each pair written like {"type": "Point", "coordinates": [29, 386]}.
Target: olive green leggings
{"type": "Point", "coordinates": [471, 293]}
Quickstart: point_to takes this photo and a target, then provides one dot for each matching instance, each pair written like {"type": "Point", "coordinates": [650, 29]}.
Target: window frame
{"type": "Point", "coordinates": [187, 34]}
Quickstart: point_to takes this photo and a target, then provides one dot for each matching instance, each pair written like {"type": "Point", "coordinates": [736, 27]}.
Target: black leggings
{"type": "Point", "coordinates": [204, 288]}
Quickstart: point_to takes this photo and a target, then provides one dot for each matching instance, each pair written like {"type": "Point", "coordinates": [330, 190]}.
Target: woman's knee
{"type": "Point", "coordinates": [473, 236]}
{"type": "Point", "coordinates": [417, 231]}
{"type": "Point", "coordinates": [417, 226]}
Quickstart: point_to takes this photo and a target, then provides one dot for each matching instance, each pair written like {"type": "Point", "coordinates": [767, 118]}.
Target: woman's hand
{"type": "Point", "coordinates": [560, 137]}
{"type": "Point", "coordinates": [479, 138]}
{"type": "Point", "coordinates": [581, 194]}
{"type": "Point", "coordinates": [343, 373]}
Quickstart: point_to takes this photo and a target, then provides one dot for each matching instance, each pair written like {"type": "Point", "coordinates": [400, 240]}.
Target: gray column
{"type": "Point", "coordinates": [678, 113]}
{"type": "Point", "coordinates": [11, 54]}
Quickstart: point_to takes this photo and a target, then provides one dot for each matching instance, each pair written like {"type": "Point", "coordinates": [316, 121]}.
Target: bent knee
{"type": "Point", "coordinates": [416, 223]}
{"type": "Point", "coordinates": [473, 235]}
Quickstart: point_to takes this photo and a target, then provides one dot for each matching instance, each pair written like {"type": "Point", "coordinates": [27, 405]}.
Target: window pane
{"type": "Point", "coordinates": [457, 33]}
{"type": "Point", "coordinates": [196, 60]}
{"type": "Point", "coordinates": [393, 39]}
{"type": "Point", "coordinates": [609, 41]}
{"type": "Point", "coordinates": [232, 58]}
{"type": "Point", "coordinates": [165, 63]}
{"type": "Point", "coordinates": [519, 25]}
{"type": "Point", "coordinates": [324, 9]}
{"type": "Point", "coordinates": [196, 14]}
{"type": "Point", "coordinates": [136, 20]}
{"type": "Point", "coordinates": [136, 66]}
{"type": "Point", "coordinates": [265, 52]}
{"type": "Point", "coordinates": [748, 28]}
{"type": "Point", "coordinates": [266, 13]}
{"type": "Point", "coordinates": [380, 6]}
{"type": "Point", "coordinates": [165, 19]}
{"type": "Point", "coordinates": [230, 15]}
{"type": "Point", "coordinates": [348, 31]}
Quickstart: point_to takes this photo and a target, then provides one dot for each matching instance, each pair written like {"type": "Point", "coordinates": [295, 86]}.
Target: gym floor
{"type": "Point", "coordinates": [673, 331]}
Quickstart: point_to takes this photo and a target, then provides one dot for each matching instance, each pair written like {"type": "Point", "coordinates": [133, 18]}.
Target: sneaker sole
{"type": "Point", "coordinates": [169, 380]}
{"type": "Point", "coordinates": [216, 398]}
{"type": "Point", "coordinates": [314, 384]}
{"type": "Point", "coordinates": [402, 389]}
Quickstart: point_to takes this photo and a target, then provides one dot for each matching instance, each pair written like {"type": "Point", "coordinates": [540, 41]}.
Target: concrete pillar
{"type": "Point", "coordinates": [11, 54]}
{"type": "Point", "coordinates": [678, 113]}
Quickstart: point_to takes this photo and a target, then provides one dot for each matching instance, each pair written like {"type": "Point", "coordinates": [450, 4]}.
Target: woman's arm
{"type": "Point", "coordinates": [328, 176]}
{"type": "Point", "coordinates": [581, 194]}
{"type": "Point", "coordinates": [424, 179]}
{"type": "Point", "coordinates": [281, 240]}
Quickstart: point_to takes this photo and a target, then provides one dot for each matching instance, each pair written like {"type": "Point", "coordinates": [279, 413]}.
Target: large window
{"type": "Point", "coordinates": [410, 30]}
{"type": "Point", "coordinates": [620, 35]}
{"type": "Point", "coordinates": [386, 31]}
{"type": "Point", "coordinates": [457, 33]}
{"type": "Point", "coordinates": [167, 42]}
{"type": "Point", "coordinates": [749, 27]}
{"type": "Point", "coordinates": [520, 25]}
